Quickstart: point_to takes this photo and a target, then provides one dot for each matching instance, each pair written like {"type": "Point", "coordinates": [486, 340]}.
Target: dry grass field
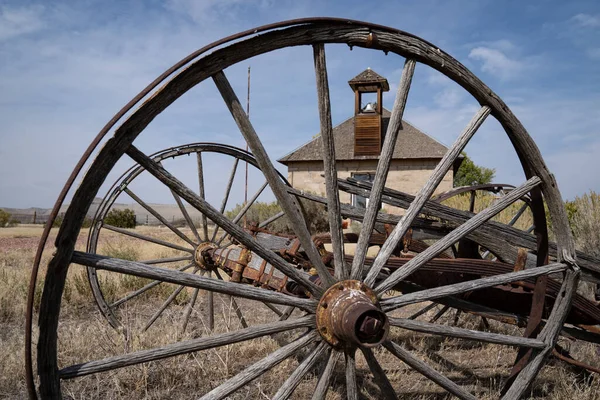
{"type": "Point", "coordinates": [85, 335]}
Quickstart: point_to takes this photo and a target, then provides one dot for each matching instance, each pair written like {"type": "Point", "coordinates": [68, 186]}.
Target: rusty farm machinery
{"type": "Point", "coordinates": [475, 279]}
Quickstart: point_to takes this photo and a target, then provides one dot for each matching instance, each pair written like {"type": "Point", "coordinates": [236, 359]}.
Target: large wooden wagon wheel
{"type": "Point", "coordinates": [345, 310]}
{"type": "Point", "coordinates": [181, 243]}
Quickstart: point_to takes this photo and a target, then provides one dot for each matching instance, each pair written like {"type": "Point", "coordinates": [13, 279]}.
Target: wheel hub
{"type": "Point", "coordinates": [349, 315]}
{"type": "Point", "coordinates": [199, 258]}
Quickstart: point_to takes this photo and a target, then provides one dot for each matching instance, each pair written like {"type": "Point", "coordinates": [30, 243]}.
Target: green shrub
{"type": "Point", "coordinates": [4, 218]}
{"type": "Point", "coordinates": [121, 218]}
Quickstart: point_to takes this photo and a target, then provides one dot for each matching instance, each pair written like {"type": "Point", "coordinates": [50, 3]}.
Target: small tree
{"type": "Point", "coordinates": [4, 218]}
{"type": "Point", "coordinates": [470, 174]}
{"type": "Point", "coordinates": [121, 218]}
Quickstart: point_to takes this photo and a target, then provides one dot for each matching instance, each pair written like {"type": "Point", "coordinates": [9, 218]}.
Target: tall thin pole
{"type": "Point", "coordinates": [248, 114]}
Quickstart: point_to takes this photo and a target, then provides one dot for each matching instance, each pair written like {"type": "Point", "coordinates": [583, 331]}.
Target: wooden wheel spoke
{"type": "Point", "coordinates": [453, 237]}
{"type": "Point", "coordinates": [226, 195]}
{"type": "Point", "coordinates": [144, 288]}
{"type": "Point", "coordinates": [147, 238]}
{"type": "Point", "coordinates": [475, 284]}
{"type": "Point", "coordinates": [185, 279]}
{"type": "Point", "coordinates": [272, 219]}
{"type": "Point", "coordinates": [244, 210]}
{"type": "Point", "coordinates": [387, 390]}
{"type": "Point", "coordinates": [210, 308]}
{"type": "Point", "coordinates": [201, 192]}
{"type": "Point", "coordinates": [292, 382]}
{"type": "Point", "coordinates": [162, 308]}
{"type": "Point", "coordinates": [383, 166]}
{"type": "Point", "coordinates": [259, 368]}
{"type": "Point", "coordinates": [423, 310]}
{"type": "Point", "coordinates": [427, 371]}
{"type": "Point", "coordinates": [189, 309]}
{"type": "Point", "coordinates": [450, 331]}
{"type": "Point", "coordinates": [329, 163]}
{"type": "Point", "coordinates": [227, 225]}
{"type": "Point", "coordinates": [325, 378]}
{"type": "Point", "coordinates": [159, 217]}
{"type": "Point", "coordinates": [175, 349]}
{"type": "Point", "coordinates": [166, 260]}
{"type": "Point", "coordinates": [350, 370]}
{"type": "Point", "coordinates": [278, 187]}
{"type": "Point", "coordinates": [425, 193]}
{"type": "Point", "coordinates": [236, 307]}
{"type": "Point", "coordinates": [186, 215]}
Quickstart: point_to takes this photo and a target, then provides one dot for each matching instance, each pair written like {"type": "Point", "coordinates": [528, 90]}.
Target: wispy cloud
{"type": "Point", "coordinates": [16, 21]}
{"type": "Point", "coordinates": [586, 20]}
{"type": "Point", "coordinates": [497, 58]}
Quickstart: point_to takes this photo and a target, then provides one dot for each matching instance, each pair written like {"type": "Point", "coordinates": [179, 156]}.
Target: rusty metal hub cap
{"type": "Point", "coordinates": [349, 315]}
{"type": "Point", "coordinates": [199, 254]}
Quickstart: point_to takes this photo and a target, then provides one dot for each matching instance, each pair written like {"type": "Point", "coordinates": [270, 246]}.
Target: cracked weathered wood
{"type": "Point", "coordinates": [278, 187]}
{"type": "Point", "coordinates": [450, 331]}
{"type": "Point", "coordinates": [325, 378]}
{"type": "Point", "coordinates": [233, 229]}
{"type": "Point", "coordinates": [392, 303]}
{"type": "Point", "coordinates": [451, 238]}
{"type": "Point", "coordinates": [174, 349]}
{"type": "Point", "coordinates": [329, 163]}
{"type": "Point", "coordinates": [387, 390]}
{"type": "Point", "coordinates": [292, 382]}
{"type": "Point", "coordinates": [424, 194]}
{"type": "Point", "coordinates": [159, 217]}
{"type": "Point", "coordinates": [185, 279]}
{"type": "Point", "coordinates": [259, 368]}
{"type": "Point", "coordinates": [147, 238]}
{"type": "Point", "coordinates": [350, 370]}
{"type": "Point", "coordinates": [427, 371]}
{"type": "Point", "coordinates": [383, 166]}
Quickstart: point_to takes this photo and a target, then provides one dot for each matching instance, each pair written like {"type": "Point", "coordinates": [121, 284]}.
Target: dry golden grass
{"type": "Point", "coordinates": [85, 335]}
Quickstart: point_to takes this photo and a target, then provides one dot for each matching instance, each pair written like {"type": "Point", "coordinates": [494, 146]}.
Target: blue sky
{"type": "Point", "coordinates": [67, 67]}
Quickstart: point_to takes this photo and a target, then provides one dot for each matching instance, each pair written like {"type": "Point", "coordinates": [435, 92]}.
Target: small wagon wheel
{"type": "Point", "coordinates": [346, 311]}
{"type": "Point", "coordinates": [182, 245]}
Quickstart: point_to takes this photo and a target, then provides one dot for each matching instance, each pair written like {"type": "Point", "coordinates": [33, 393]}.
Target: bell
{"type": "Point", "coordinates": [369, 108]}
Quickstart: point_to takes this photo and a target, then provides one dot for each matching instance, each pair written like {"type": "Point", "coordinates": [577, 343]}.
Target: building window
{"type": "Point", "coordinates": [360, 201]}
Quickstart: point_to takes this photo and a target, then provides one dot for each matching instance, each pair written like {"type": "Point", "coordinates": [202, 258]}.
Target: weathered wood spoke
{"type": "Point", "coordinates": [244, 210]}
{"type": "Point", "coordinates": [435, 293]}
{"type": "Point", "coordinates": [272, 219]}
{"type": "Point", "coordinates": [259, 368]}
{"type": "Point", "coordinates": [159, 217]}
{"type": "Point", "coordinates": [234, 304]}
{"type": "Point", "coordinates": [425, 193]}
{"type": "Point", "coordinates": [147, 238]}
{"type": "Point", "coordinates": [427, 371]}
{"type": "Point", "coordinates": [185, 214]}
{"type": "Point", "coordinates": [226, 195]}
{"type": "Point", "coordinates": [351, 385]}
{"type": "Point", "coordinates": [189, 308]}
{"type": "Point", "coordinates": [383, 167]}
{"type": "Point", "coordinates": [185, 279]}
{"type": "Point", "coordinates": [166, 260]}
{"type": "Point", "coordinates": [450, 331]}
{"type": "Point", "coordinates": [145, 288]}
{"type": "Point", "coordinates": [184, 347]}
{"type": "Point", "coordinates": [292, 382]}
{"type": "Point", "coordinates": [278, 187]}
{"type": "Point", "coordinates": [325, 378]}
{"type": "Point", "coordinates": [387, 390]}
{"type": "Point", "coordinates": [210, 308]}
{"type": "Point", "coordinates": [453, 236]}
{"type": "Point", "coordinates": [201, 192]}
{"type": "Point", "coordinates": [233, 229]}
{"type": "Point", "coordinates": [163, 307]}
{"type": "Point", "coordinates": [329, 163]}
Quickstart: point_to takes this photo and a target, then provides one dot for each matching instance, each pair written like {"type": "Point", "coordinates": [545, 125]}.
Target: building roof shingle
{"type": "Point", "coordinates": [369, 76]}
{"type": "Point", "coordinates": [411, 144]}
